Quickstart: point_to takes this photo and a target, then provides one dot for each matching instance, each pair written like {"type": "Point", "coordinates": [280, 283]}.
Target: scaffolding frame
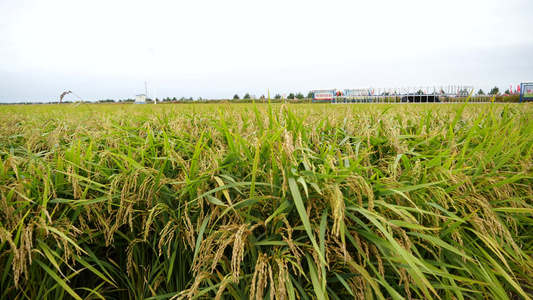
{"type": "Point", "coordinates": [449, 93]}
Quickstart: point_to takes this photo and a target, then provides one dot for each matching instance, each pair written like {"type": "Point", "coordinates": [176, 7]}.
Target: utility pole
{"type": "Point", "coordinates": [153, 71]}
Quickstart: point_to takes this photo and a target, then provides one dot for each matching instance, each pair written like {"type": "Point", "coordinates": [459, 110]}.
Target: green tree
{"type": "Point", "coordinates": [310, 95]}
{"type": "Point", "coordinates": [480, 92]}
{"type": "Point", "coordinates": [299, 96]}
{"type": "Point", "coordinates": [236, 97]}
{"type": "Point", "coordinates": [495, 91]}
{"type": "Point", "coordinates": [278, 96]}
{"type": "Point", "coordinates": [291, 96]}
{"type": "Point", "coordinates": [247, 96]}
{"type": "Point", "coordinates": [463, 92]}
{"type": "Point", "coordinates": [507, 92]}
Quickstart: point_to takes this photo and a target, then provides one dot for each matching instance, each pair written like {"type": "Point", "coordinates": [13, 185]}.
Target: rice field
{"type": "Point", "coordinates": [284, 201]}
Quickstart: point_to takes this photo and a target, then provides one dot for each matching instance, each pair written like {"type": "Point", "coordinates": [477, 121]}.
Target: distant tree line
{"type": "Point", "coordinates": [291, 96]}
{"type": "Point", "coordinates": [298, 96]}
{"type": "Point", "coordinates": [494, 91]}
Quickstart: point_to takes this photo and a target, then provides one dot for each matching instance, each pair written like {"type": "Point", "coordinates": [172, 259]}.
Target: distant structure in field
{"type": "Point", "coordinates": [140, 99]}
{"type": "Point", "coordinates": [526, 91]}
{"type": "Point", "coordinates": [450, 93]}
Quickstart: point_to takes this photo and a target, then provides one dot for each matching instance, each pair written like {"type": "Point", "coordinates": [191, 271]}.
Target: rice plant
{"type": "Point", "coordinates": [260, 201]}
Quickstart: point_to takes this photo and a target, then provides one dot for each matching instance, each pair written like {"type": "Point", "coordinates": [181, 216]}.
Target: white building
{"type": "Point", "coordinates": [140, 99]}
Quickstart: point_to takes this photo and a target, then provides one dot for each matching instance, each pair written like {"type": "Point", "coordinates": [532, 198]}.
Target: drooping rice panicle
{"type": "Point", "coordinates": [284, 201]}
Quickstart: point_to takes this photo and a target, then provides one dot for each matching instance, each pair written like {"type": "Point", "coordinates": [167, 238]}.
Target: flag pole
{"type": "Point", "coordinates": [153, 72]}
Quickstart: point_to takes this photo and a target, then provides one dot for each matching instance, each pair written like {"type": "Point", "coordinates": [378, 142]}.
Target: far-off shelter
{"type": "Point", "coordinates": [140, 99]}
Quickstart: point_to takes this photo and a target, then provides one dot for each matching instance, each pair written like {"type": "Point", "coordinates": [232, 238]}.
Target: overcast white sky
{"type": "Point", "coordinates": [101, 49]}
